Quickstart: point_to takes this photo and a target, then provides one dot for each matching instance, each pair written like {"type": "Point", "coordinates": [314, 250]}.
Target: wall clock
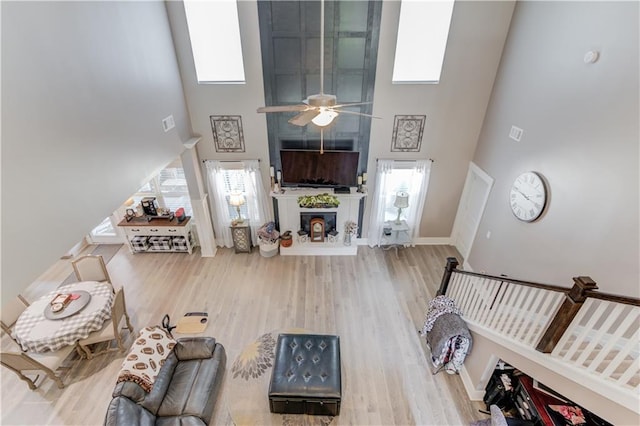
{"type": "Point", "coordinates": [528, 196]}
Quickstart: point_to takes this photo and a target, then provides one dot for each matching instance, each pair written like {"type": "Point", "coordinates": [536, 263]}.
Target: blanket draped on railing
{"type": "Point", "coordinates": [446, 334]}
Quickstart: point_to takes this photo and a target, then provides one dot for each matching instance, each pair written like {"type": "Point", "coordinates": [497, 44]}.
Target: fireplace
{"type": "Point", "coordinates": [291, 217]}
{"type": "Point", "coordinates": [328, 217]}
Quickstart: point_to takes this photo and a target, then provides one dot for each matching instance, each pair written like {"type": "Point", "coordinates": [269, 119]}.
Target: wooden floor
{"type": "Point", "coordinates": [374, 301]}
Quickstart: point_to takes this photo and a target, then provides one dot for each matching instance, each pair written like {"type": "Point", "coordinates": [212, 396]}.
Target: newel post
{"type": "Point", "coordinates": [567, 312]}
{"type": "Point", "coordinates": [452, 264]}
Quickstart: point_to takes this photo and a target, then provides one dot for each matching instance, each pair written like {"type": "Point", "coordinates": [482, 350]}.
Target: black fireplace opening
{"type": "Point", "coordinates": [328, 217]}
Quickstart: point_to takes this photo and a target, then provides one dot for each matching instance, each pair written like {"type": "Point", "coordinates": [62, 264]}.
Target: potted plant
{"type": "Point", "coordinates": [318, 201]}
{"type": "Point", "coordinates": [268, 239]}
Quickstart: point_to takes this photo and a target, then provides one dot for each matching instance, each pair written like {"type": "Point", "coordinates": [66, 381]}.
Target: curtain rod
{"type": "Point", "coordinates": [230, 161]}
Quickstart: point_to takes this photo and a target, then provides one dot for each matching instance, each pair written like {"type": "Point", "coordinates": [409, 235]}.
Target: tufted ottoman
{"type": "Point", "coordinates": [306, 376]}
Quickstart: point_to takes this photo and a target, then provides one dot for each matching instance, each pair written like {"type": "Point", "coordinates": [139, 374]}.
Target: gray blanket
{"type": "Point", "coordinates": [447, 326]}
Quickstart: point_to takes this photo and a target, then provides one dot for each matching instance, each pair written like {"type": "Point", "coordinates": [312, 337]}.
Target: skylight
{"type": "Point", "coordinates": [423, 29]}
{"type": "Point", "coordinates": [214, 31]}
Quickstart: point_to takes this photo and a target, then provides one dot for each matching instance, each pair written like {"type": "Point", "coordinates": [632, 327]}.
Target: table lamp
{"type": "Point", "coordinates": [401, 202]}
{"type": "Point", "coordinates": [236, 199]}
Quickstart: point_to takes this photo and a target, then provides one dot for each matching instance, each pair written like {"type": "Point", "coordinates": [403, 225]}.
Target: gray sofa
{"type": "Point", "coordinates": [184, 393]}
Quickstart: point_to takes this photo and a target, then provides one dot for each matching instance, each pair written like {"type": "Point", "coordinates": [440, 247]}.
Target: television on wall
{"type": "Point", "coordinates": [312, 169]}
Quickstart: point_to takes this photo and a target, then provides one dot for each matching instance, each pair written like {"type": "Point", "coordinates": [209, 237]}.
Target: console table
{"type": "Point", "coordinates": [158, 235]}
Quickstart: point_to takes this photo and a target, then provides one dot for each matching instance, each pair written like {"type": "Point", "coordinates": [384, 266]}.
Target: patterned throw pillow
{"type": "Point", "coordinates": [147, 355]}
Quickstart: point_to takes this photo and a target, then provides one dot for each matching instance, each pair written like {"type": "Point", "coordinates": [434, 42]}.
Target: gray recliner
{"type": "Point", "coordinates": [184, 393]}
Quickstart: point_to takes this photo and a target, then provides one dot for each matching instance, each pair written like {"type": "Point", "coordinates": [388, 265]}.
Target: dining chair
{"type": "Point", "coordinates": [91, 267]}
{"type": "Point", "coordinates": [111, 329]}
{"type": "Point", "coordinates": [26, 364]}
{"type": "Point", "coordinates": [10, 313]}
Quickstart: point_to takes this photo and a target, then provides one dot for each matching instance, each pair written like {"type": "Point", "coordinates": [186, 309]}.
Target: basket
{"type": "Point", "coordinates": [268, 249]}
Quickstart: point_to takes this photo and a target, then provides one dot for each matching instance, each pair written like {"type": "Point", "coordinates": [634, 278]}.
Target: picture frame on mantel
{"type": "Point", "coordinates": [227, 133]}
{"type": "Point", "coordinates": [407, 133]}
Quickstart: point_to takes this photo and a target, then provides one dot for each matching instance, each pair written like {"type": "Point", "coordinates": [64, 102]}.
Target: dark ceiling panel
{"type": "Point", "coordinates": [290, 43]}
{"type": "Point", "coordinates": [351, 52]}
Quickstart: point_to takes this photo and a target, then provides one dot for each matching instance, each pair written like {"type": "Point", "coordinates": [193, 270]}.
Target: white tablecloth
{"type": "Point", "coordinates": [34, 332]}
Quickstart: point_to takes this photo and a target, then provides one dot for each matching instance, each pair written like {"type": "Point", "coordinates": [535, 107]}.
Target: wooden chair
{"type": "Point", "coordinates": [23, 364]}
{"type": "Point", "coordinates": [91, 268]}
{"type": "Point", "coordinates": [111, 329]}
{"type": "Point", "coordinates": [10, 313]}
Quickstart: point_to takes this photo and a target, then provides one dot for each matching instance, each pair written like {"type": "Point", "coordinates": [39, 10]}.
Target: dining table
{"type": "Point", "coordinates": [40, 328]}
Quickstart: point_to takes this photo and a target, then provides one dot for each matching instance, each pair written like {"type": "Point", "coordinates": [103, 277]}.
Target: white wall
{"type": "Point", "coordinates": [581, 132]}
{"type": "Point", "coordinates": [85, 86]}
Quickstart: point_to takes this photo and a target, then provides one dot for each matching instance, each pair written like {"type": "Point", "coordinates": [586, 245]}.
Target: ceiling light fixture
{"type": "Point", "coordinates": [325, 117]}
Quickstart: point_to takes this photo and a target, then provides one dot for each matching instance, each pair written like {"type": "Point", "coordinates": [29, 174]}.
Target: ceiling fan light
{"type": "Point", "coordinates": [325, 117]}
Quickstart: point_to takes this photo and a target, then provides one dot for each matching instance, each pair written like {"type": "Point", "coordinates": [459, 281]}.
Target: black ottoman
{"type": "Point", "coordinates": [306, 376]}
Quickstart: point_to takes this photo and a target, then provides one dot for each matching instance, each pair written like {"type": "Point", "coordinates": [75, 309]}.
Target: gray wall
{"type": "Point", "coordinates": [85, 86]}
{"type": "Point", "coordinates": [454, 108]}
{"type": "Point", "coordinates": [581, 132]}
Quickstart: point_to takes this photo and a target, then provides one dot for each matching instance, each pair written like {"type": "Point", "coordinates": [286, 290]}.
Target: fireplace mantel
{"type": "Point", "coordinates": [288, 215]}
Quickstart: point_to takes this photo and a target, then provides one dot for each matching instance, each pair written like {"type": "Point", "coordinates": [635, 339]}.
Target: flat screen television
{"type": "Point", "coordinates": [312, 169]}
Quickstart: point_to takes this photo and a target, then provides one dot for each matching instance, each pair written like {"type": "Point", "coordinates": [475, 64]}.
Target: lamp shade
{"type": "Point", "coordinates": [402, 200]}
{"type": "Point", "coordinates": [236, 199]}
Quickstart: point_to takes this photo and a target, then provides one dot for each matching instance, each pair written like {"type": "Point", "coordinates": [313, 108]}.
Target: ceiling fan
{"type": "Point", "coordinates": [320, 109]}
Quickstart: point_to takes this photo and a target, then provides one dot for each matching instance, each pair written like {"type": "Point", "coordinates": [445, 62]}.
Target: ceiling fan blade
{"type": "Point", "coordinates": [342, 111]}
{"type": "Point", "coordinates": [304, 117]}
{"type": "Point", "coordinates": [283, 108]}
{"type": "Point", "coordinates": [354, 104]}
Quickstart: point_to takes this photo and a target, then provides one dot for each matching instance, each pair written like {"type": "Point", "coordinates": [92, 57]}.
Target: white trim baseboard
{"type": "Point", "coordinates": [432, 241]}
{"type": "Point", "coordinates": [472, 392]}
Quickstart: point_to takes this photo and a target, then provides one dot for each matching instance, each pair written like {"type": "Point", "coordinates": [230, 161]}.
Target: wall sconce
{"type": "Point", "coordinates": [401, 202]}
{"type": "Point", "coordinates": [236, 199]}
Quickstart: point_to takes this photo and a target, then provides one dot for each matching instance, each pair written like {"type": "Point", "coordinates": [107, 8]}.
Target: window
{"type": "Point", "coordinates": [398, 180]}
{"type": "Point", "coordinates": [170, 189]}
{"type": "Point", "coordinates": [423, 29]}
{"type": "Point", "coordinates": [214, 31]}
{"type": "Point", "coordinates": [234, 182]}
{"type": "Point", "coordinates": [244, 177]}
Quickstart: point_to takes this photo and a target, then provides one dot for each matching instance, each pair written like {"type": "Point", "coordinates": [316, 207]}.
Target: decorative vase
{"type": "Point", "coordinates": [347, 239]}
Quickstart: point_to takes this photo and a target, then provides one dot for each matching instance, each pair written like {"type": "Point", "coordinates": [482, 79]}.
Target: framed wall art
{"type": "Point", "coordinates": [227, 133]}
{"type": "Point", "coordinates": [407, 133]}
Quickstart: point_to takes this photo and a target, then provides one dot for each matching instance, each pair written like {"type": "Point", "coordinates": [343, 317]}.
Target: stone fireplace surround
{"type": "Point", "coordinates": [288, 217]}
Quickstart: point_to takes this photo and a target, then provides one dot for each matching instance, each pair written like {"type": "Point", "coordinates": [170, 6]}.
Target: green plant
{"type": "Point", "coordinates": [320, 200]}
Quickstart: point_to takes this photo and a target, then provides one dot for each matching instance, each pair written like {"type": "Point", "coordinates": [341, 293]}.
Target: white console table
{"type": "Point", "coordinates": [289, 220]}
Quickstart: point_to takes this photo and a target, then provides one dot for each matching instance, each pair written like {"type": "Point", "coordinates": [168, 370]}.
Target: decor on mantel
{"type": "Point", "coordinates": [318, 201]}
{"type": "Point", "coordinates": [227, 133]}
{"type": "Point", "coordinates": [407, 133]}
{"type": "Point", "coordinates": [350, 230]}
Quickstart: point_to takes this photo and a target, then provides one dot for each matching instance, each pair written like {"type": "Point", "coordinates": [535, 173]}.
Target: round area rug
{"type": "Point", "coordinates": [249, 388]}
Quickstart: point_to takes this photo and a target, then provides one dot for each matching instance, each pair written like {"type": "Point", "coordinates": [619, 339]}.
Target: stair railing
{"type": "Point", "coordinates": [597, 332]}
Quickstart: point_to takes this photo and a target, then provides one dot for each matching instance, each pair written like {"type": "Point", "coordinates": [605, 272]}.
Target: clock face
{"type": "Point", "coordinates": [528, 196]}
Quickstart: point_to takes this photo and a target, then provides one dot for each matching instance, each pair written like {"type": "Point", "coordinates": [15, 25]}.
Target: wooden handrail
{"type": "Point", "coordinates": [452, 264]}
{"type": "Point", "coordinates": [583, 288]}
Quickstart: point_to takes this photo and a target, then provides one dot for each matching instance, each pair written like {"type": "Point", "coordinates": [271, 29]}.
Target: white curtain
{"type": "Point", "coordinates": [393, 176]}
{"type": "Point", "coordinates": [379, 201]}
{"type": "Point", "coordinates": [257, 201]}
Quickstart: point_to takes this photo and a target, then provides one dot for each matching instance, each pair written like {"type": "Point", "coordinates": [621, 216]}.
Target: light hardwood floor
{"type": "Point", "coordinates": [375, 302]}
